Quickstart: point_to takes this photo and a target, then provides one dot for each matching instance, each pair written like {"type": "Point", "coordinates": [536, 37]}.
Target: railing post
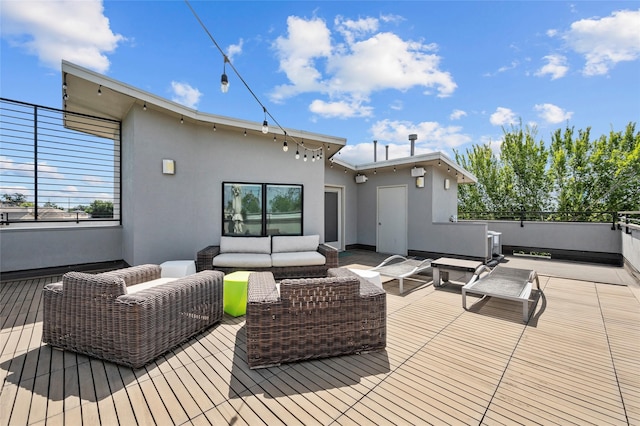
{"type": "Point", "coordinates": [522, 219]}
{"type": "Point", "coordinates": [614, 215]}
{"type": "Point", "coordinates": [35, 162]}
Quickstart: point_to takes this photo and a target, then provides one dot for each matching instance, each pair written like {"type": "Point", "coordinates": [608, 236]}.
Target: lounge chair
{"type": "Point", "coordinates": [504, 283]}
{"type": "Point", "coordinates": [400, 267]}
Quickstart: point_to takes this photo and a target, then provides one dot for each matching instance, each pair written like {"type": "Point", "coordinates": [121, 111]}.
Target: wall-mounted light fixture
{"type": "Point", "coordinates": [168, 167]}
{"type": "Point", "coordinates": [420, 182]}
{"type": "Point", "coordinates": [446, 184]}
{"type": "Point", "coordinates": [361, 178]}
{"type": "Point", "coordinates": [417, 172]}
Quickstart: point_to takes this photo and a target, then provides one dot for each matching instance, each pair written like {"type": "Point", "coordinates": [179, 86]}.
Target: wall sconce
{"type": "Point", "coordinates": [168, 167]}
{"type": "Point", "coordinates": [417, 172]}
{"type": "Point", "coordinates": [446, 184]}
{"type": "Point", "coordinates": [361, 178]}
{"type": "Point", "coordinates": [420, 182]}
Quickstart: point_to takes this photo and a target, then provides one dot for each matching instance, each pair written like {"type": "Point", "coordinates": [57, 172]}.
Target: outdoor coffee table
{"type": "Point", "coordinates": [442, 267]}
{"type": "Point", "coordinates": [400, 267]}
{"type": "Point", "coordinates": [235, 293]}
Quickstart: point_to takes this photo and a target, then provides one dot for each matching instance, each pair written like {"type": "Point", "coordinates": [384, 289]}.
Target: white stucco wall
{"type": "Point", "coordinates": [173, 216]}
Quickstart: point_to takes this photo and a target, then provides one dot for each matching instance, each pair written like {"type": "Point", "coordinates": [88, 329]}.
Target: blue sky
{"type": "Point", "coordinates": [452, 72]}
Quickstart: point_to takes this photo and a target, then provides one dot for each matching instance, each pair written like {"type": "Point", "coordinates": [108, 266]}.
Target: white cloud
{"type": "Point", "coordinates": [503, 116]}
{"type": "Point", "coordinates": [184, 94]}
{"type": "Point", "coordinates": [234, 49]}
{"type": "Point", "coordinates": [340, 109]}
{"type": "Point", "coordinates": [306, 41]}
{"type": "Point", "coordinates": [457, 114]}
{"type": "Point", "coordinates": [397, 105]}
{"type": "Point", "coordinates": [606, 41]}
{"type": "Point", "coordinates": [365, 61]}
{"type": "Point", "coordinates": [552, 113]}
{"type": "Point", "coordinates": [54, 30]}
{"type": "Point", "coordinates": [351, 30]}
{"type": "Point", "coordinates": [432, 135]}
{"type": "Point", "coordinates": [556, 67]}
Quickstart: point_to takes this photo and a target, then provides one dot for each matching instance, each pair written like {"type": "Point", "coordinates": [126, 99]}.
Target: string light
{"type": "Point", "coordinates": [305, 155]}
{"type": "Point", "coordinates": [439, 163]}
{"type": "Point", "coordinates": [224, 80]}
{"type": "Point", "coordinates": [265, 124]}
{"type": "Point", "coordinates": [100, 90]}
{"type": "Point", "coordinates": [285, 146]}
{"type": "Point", "coordinates": [245, 132]}
{"type": "Point", "coordinates": [181, 120]}
{"type": "Point", "coordinates": [224, 87]}
{"type": "Point", "coordinates": [214, 127]}
{"type": "Point", "coordinates": [144, 107]}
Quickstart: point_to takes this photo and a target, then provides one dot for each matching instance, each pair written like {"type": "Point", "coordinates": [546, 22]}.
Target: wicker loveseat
{"type": "Point", "coordinates": [285, 256]}
{"type": "Point", "coordinates": [129, 316]}
{"type": "Point", "coordinates": [313, 317]}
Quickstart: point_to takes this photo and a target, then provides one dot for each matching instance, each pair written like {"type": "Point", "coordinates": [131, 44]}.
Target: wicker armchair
{"type": "Point", "coordinates": [94, 315]}
{"type": "Point", "coordinates": [313, 317]}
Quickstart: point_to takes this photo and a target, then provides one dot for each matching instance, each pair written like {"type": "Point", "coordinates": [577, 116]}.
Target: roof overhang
{"type": "Point", "coordinates": [434, 159]}
{"type": "Point", "coordinates": [117, 99]}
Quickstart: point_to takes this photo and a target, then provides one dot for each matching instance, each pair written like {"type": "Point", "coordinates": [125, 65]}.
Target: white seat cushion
{"type": "Point", "coordinates": [242, 260]}
{"type": "Point", "coordinates": [148, 284]}
{"type": "Point", "coordinates": [300, 243]}
{"type": "Point", "coordinates": [245, 245]}
{"type": "Point", "coordinates": [303, 258]}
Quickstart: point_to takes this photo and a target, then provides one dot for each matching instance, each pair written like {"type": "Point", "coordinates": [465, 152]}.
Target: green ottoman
{"type": "Point", "coordinates": [235, 293]}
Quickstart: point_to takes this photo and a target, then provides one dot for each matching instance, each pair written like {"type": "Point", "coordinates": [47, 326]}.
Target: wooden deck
{"type": "Point", "coordinates": [576, 362]}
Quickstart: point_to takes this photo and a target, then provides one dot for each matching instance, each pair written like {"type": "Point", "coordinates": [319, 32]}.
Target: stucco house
{"type": "Point", "coordinates": [402, 206]}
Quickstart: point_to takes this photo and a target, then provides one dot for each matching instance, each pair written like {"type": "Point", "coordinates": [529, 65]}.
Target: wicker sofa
{"type": "Point", "coordinates": [313, 317]}
{"type": "Point", "coordinates": [284, 256]}
{"type": "Point", "coordinates": [129, 316]}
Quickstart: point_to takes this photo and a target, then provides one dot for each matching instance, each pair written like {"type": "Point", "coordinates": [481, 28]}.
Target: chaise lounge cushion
{"type": "Point", "coordinates": [303, 258]}
{"type": "Point", "coordinates": [260, 245]}
{"type": "Point", "coordinates": [242, 260]}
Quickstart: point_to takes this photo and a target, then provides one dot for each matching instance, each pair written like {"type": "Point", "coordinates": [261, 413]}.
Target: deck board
{"type": "Point", "coordinates": [575, 362]}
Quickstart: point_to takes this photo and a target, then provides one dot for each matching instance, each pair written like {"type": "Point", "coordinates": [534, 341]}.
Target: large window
{"type": "Point", "coordinates": [259, 209]}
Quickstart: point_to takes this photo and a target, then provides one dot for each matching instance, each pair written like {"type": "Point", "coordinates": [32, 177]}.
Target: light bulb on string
{"type": "Point", "coordinates": [224, 80]}
{"type": "Point", "coordinates": [265, 124]}
{"type": "Point", "coordinates": [285, 147]}
{"type": "Point", "coordinates": [100, 90]}
{"type": "Point", "coordinates": [144, 107]}
{"type": "Point", "coordinates": [305, 155]}
{"type": "Point", "coordinates": [214, 127]}
{"type": "Point", "coordinates": [297, 154]}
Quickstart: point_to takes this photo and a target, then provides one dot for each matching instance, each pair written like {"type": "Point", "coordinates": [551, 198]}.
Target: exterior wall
{"type": "Point", "coordinates": [429, 210]}
{"type": "Point", "coordinates": [173, 216]}
{"type": "Point", "coordinates": [631, 248]}
{"type": "Point", "coordinates": [35, 248]}
{"type": "Point", "coordinates": [591, 242]}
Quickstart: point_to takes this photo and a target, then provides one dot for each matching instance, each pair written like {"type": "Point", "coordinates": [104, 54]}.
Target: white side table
{"type": "Point", "coordinates": [372, 276]}
{"type": "Point", "coordinates": [177, 268]}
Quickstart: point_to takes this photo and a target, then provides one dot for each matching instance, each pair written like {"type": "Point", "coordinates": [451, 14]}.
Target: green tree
{"type": "Point", "coordinates": [15, 199]}
{"type": "Point", "coordinates": [575, 174]}
{"type": "Point", "coordinates": [525, 169]}
{"type": "Point", "coordinates": [99, 209]}
{"type": "Point", "coordinates": [289, 202]}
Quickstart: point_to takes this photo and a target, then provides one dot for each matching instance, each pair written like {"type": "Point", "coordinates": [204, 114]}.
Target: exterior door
{"type": "Point", "coordinates": [392, 220]}
{"type": "Point", "coordinates": [333, 216]}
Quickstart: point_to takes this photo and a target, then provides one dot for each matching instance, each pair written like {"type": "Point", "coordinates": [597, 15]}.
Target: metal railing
{"type": "Point", "coordinates": [57, 166]}
{"type": "Point", "coordinates": [629, 220]}
{"type": "Point", "coordinates": [544, 216]}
